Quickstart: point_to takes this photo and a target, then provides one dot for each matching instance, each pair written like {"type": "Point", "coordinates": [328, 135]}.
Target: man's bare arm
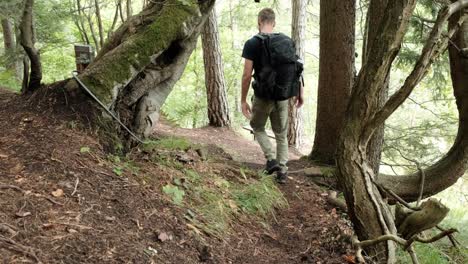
{"type": "Point", "coordinates": [246, 79]}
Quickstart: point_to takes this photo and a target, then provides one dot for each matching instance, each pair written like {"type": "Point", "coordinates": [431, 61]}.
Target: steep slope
{"type": "Point", "coordinates": [63, 199]}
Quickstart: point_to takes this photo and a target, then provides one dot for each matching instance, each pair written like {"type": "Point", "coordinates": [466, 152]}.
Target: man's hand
{"type": "Point", "coordinates": [246, 110]}
{"type": "Point", "coordinates": [299, 101]}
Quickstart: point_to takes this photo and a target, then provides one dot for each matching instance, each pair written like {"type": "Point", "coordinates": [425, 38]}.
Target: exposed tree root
{"type": "Point", "coordinates": [11, 245]}
{"type": "Point", "coordinates": [406, 244]}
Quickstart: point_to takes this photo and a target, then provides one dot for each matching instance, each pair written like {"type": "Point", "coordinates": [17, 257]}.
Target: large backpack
{"type": "Point", "coordinates": [280, 72]}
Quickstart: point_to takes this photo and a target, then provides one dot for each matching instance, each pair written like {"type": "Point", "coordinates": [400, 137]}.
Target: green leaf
{"type": "Point", "coordinates": [118, 171]}
{"type": "Point", "coordinates": [85, 150]}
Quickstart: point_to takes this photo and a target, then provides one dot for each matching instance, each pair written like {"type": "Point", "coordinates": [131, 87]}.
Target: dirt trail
{"type": "Point", "coordinates": [61, 202]}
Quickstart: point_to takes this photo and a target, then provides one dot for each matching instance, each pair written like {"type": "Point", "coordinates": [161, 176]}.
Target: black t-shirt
{"type": "Point", "coordinates": [252, 51]}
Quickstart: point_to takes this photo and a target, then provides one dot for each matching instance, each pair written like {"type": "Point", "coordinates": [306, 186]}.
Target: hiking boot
{"type": "Point", "coordinates": [272, 166]}
{"type": "Point", "coordinates": [281, 177]}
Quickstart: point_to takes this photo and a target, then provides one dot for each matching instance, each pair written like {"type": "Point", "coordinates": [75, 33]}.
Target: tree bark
{"type": "Point", "coordinates": [93, 32]}
{"type": "Point", "coordinates": [10, 45]}
{"type": "Point", "coordinates": [445, 172]}
{"type": "Point", "coordinates": [114, 21]}
{"type": "Point", "coordinates": [296, 119]}
{"type": "Point", "coordinates": [152, 49]}
{"type": "Point", "coordinates": [27, 42]}
{"type": "Point", "coordinates": [129, 8]}
{"type": "Point", "coordinates": [218, 110]}
{"type": "Point", "coordinates": [336, 74]}
{"type": "Point", "coordinates": [374, 19]}
{"type": "Point", "coordinates": [80, 23]}
{"type": "Point", "coordinates": [99, 22]}
{"type": "Point", "coordinates": [367, 210]}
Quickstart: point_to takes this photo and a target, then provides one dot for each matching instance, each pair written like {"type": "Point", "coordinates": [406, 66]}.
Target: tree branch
{"type": "Point", "coordinates": [433, 47]}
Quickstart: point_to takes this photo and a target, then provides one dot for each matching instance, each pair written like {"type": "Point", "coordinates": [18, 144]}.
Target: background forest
{"type": "Point", "coordinates": [424, 128]}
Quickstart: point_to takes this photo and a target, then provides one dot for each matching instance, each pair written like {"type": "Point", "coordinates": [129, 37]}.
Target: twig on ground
{"type": "Point", "coordinates": [73, 225]}
{"type": "Point", "coordinates": [13, 187]}
{"type": "Point", "coordinates": [76, 186]}
{"type": "Point", "coordinates": [11, 245]}
{"type": "Point", "coordinates": [51, 200]}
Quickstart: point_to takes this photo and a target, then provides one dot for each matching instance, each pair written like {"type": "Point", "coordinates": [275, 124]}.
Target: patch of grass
{"type": "Point", "coordinates": [216, 201]}
{"type": "Point", "coordinates": [260, 198]}
{"type": "Point", "coordinates": [169, 143]}
{"type": "Point", "coordinates": [427, 254]}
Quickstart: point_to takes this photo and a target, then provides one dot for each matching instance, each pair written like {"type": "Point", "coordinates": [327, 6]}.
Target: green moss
{"type": "Point", "coordinates": [115, 67]}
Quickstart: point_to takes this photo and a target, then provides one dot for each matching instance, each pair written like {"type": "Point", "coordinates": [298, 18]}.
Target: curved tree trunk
{"type": "Point", "coordinates": [27, 41]}
{"type": "Point", "coordinates": [218, 110]}
{"type": "Point", "coordinates": [366, 208]}
{"type": "Point", "coordinates": [296, 119]}
{"type": "Point", "coordinates": [137, 68]}
{"type": "Point", "coordinates": [337, 22]}
{"type": "Point", "coordinates": [453, 165]}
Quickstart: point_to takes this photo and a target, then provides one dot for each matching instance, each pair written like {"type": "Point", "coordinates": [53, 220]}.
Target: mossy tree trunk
{"type": "Point", "coordinates": [137, 67]}
{"type": "Point", "coordinates": [367, 209]}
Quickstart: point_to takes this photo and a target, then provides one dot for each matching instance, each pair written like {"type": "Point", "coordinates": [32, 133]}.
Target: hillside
{"type": "Point", "coordinates": [192, 196]}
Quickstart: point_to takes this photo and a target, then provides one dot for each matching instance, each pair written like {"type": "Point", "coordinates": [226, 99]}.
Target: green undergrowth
{"type": "Point", "coordinates": [217, 202]}
{"type": "Point", "coordinates": [214, 199]}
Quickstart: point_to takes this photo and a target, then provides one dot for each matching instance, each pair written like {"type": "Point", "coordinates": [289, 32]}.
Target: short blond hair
{"type": "Point", "coordinates": [266, 15]}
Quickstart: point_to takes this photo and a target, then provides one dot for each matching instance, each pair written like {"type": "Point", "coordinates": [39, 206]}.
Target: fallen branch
{"type": "Point", "coordinates": [11, 245]}
{"type": "Point", "coordinates": [13, 187]}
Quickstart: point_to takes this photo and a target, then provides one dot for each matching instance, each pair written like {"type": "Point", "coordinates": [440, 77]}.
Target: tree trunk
{"type": "Point", "coordinates": [78, 19]}
{"type": "Point", "coordinates": [99, 23]}
{"type": "Point", "coordinates": [296, 120]}
{"type": "Point", "coordinates": [93, 32]}
{"type": "Point", "coordinates": [152, 49]}
{"type": "Point", "coordinates": [27, 41]}
{"type": "Point", "coordinates": [337, 22]}
{"type": "Point", "coordinates": [367, 210]}
{"type": "Point", "coordinates": [445, 172]}
{"type": "Point", "coordinates": [10, 45]}
{"type": "Point", "coordinates": [218, 110]}
{"type": "Point", "coordinates": [129, 8]}
{"type": "Point", "coordinates": [114, 21]}
{"type": "Point", "coordinates": [374, 18]}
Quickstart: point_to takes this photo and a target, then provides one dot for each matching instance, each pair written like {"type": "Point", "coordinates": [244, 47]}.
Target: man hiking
{"type": "Point", "coordinates": [277, 77]}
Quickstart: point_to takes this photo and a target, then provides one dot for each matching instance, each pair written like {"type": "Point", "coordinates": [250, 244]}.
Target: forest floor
{"type": "Point", "coordinates": [63, 199]}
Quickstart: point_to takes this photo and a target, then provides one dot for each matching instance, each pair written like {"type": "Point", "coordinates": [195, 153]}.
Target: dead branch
{"type": "Point", "coordinates": [11, 245]}
{"type": "Point", "coordinates": [452, 239]}
{"type": "Point", "coordinates": [436, 237]}
{"type": "Point", "coordinates": [13, 187]}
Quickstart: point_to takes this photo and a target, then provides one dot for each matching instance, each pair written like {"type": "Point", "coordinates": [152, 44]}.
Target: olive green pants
{"type": "Point", "coordinates": [277, 111]}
